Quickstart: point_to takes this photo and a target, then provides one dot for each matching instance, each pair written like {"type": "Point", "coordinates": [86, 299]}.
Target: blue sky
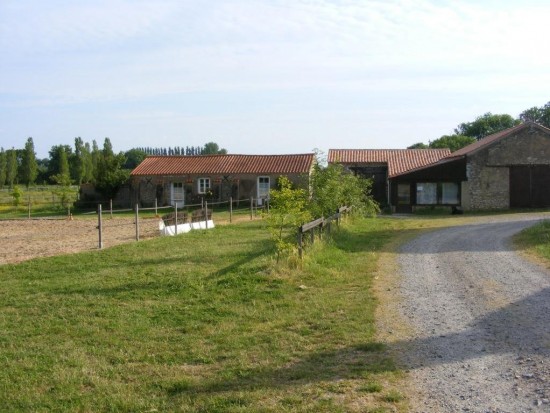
{"type": "Point", "coordinates": [264, 76]}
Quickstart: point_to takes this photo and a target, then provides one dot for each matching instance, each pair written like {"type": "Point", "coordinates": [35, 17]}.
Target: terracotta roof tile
{"type": "Point", "coordinates": [398, 160]}
{"type": "Point", "coordinates": [473, 147]}
{"type": "Point", "coordinates": [225, 164]}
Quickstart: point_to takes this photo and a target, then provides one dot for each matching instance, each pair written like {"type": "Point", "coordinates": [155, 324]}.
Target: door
{"type": "Point", "coordinates": [178, 194]}
{"type": "Point", "coordinates": [263, 188]}
{"type": "Point", "coordinates": [403, 198]}
{"type": "Point", "coordinates": [530, 186]}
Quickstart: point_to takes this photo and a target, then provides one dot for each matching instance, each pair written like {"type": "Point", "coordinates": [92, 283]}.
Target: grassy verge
{"type": "Point", "coordinates": [198, 323]}
{"type": "Point", "coordinates": [536, 241]}
{"type": "Point", "coordinates": [44, 201]}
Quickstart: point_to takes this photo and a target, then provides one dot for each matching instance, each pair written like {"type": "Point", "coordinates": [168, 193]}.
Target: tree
{"type": "Point", "coordinates": [63, 175]}
{"type": "Point", "coordinates": [96, 155]}
{"type": "Point", "coordinates": [485, 125]}
{"type": "Point", "coordinates": [110, 174]}
{"type": "Point", "coordinates": [29, 166]}
{"type": "Point", "coordinates": [78, 162]}
{"type": "Point", "coordinates": [418, 145]}
{"type": "Point", "coordinates": [3, 167]}
{"type": "Point", "coordinates": [16, 194]}
{"type": "Point", "coordinates": [54, 167]}
{"type": "Point", "coordinates": [212, 148]}
{"type": "Point", "coordinates": [133, 158]}
{"type": "Point", "coordinates": [333, 187]}
{"type": "Point", "coordinates": [288, 210]}
{"type": "Point", "coordinates": [453, 142]}
{"type": "Point", "coordinates": [539, 115]}
{"type": "Point", "coordinates": [42, 167]}
{"type": "Point", "coordinates": [11, 167]}
{"type": "Point", "coordinates": [88, 166]}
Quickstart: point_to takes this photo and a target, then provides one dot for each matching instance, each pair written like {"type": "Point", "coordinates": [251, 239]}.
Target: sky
{"type": "Point", "coordinates": [265, 77]}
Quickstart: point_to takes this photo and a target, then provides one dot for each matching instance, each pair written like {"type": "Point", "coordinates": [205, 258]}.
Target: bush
{"type": "Point", "coordinates": [288, 210]}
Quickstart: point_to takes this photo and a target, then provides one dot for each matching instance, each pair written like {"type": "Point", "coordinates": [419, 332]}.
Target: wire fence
{"type": "Point", "coordinates": [224, 212]}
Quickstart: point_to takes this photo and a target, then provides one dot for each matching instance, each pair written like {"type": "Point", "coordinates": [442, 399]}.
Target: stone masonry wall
{"type": "Point", "coordinates": [488, 170]}
{"type": "Point", "coordinates": [488, 187]}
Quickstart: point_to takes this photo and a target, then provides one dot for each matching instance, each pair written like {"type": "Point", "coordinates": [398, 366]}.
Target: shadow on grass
{"type": "Point", "coordinates": [518, 329]}
{"type": "Point", "coordinates": [347, 363]}
{"type": "Point", "coordinates": [242, 264]}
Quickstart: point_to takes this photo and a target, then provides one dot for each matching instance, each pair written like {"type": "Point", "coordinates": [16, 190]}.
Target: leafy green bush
{"type": "Point", "coordinates": [288, 210]}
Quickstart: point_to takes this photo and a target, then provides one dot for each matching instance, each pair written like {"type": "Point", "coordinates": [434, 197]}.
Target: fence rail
{"type": "Point", "coordinates": [202, 211]}
{"type": "Point", "coordinates": [321, 225]}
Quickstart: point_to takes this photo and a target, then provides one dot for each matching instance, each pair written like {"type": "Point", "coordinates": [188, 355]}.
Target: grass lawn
{"type": "Point", "coordinates": [46, 200]}
{"type": "Point", "coordinates": [203, 322]}
{"type": "Point", "coordinates": [536, 241]}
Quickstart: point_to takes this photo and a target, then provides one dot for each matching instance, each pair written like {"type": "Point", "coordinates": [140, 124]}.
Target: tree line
{"type": "Point", "coordinates": [487, 124]}
{"type": "Point", "coordinates": [83, 163]}
{"type": "Point", "coordinates": [208, 149]}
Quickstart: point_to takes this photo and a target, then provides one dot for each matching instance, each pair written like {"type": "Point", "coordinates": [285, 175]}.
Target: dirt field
{"type": "Point", "coordinates": [21, 240]}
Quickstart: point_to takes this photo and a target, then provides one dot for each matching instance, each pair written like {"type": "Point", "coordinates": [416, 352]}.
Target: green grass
{"type": "Point", "coordinates": [204, 322]}
{"type": "Point", "coordinates": [45, 201]}
{"type": "Point", "coordinates": [536, 239]}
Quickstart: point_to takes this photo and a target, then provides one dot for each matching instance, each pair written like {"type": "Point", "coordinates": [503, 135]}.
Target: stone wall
{"type": "Point", "coordinates": [488, 170]}
{"type": "Point", "coordinates": [488, 186]}
{"type": "Point", "coordinates": [146, 189]}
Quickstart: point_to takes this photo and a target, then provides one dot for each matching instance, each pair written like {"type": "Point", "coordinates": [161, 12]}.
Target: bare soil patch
{"type": "Point", "coordinates": [22, 240]}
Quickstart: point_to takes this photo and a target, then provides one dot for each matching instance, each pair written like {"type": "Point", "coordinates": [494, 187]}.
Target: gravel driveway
{"type": "Point", "coordinates": [480, 316]}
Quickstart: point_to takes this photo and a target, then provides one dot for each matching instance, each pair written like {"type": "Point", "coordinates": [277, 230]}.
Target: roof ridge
{"type": "Point", "coordinates": [494, 137]}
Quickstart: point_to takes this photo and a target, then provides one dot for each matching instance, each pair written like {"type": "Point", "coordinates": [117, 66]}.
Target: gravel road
{"type": "Point", "coordinates": [480, 316]}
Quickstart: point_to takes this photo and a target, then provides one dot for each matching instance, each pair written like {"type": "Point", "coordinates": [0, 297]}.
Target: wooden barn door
{"type": "Point", "coordinates": [530, 186]}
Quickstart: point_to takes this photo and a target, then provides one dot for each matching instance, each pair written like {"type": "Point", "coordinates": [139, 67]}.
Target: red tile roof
{"type": "Point", "coordinates": [398, 160]}
{"type": "Point", "coordinates": [225, 165]}
{"type": "Point", "coordinates": [473, 147]}
{"type": "Point", "coordinates": [482, 143]}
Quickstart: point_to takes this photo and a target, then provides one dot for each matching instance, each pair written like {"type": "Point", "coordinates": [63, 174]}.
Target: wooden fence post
{"type": "Point", "coordinates": [176, 217]}
{"type": "Point", "coordinates": [156, 207]}
{"type": "Point", "coordinates": [205, 210]}
{"type": "Point", "coordinates": [137, 222]}
{"type": "Point", "coordinates": [99, 226]}
{"type": "Point", "coordinates": [230, 209]}
{"type": "Point", "coordinates": [251, 207]}
{"type": "Point", "coordinates": [29, 206]}
{"type": "Point", "coordinates": [300, 247]}
{"type": "Point", "coordinates": [111, 207]}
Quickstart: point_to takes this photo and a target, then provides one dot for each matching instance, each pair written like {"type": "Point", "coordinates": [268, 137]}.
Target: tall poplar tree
{"type": "Point", "coordinates": [3, 167]}
{"type": "Point", "coordinates": [29, 166]}
{"type": "Point", "coordinates": [11, 167]}
{"type": "Point", "coordinates": [88, 164]}
{"type": "Point", "coordinates": [78, 161]}
{"type": "Point", "coordinates": [63, 176]}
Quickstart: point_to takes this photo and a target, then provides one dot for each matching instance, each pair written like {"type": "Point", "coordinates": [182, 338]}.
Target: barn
{"type": "Point", "coordinates": [509, 169]}
{"type": "Point", "coordinates": [381, 164]}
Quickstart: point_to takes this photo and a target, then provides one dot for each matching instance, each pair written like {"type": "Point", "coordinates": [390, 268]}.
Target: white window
{"type": "Point", "coordinates": [177, 193]}
{"type": "Point", "coordinates": [263, 186]}
{"type": "Point", "coordinates": [203, 185]}
{"type": "Point", "coordinates": [426, 193]}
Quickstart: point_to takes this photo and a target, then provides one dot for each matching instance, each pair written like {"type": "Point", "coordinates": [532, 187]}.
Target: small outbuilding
{"type": "Point", "coordinates": [380, 165]}
{"type": "Point", "coordinates": [188, 179]}
{"type": "Point", "coordinates": [509, 169]}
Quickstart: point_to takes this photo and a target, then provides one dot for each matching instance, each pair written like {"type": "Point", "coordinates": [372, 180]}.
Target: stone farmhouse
{"type": "Point", "coordinates": [188, 179]}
